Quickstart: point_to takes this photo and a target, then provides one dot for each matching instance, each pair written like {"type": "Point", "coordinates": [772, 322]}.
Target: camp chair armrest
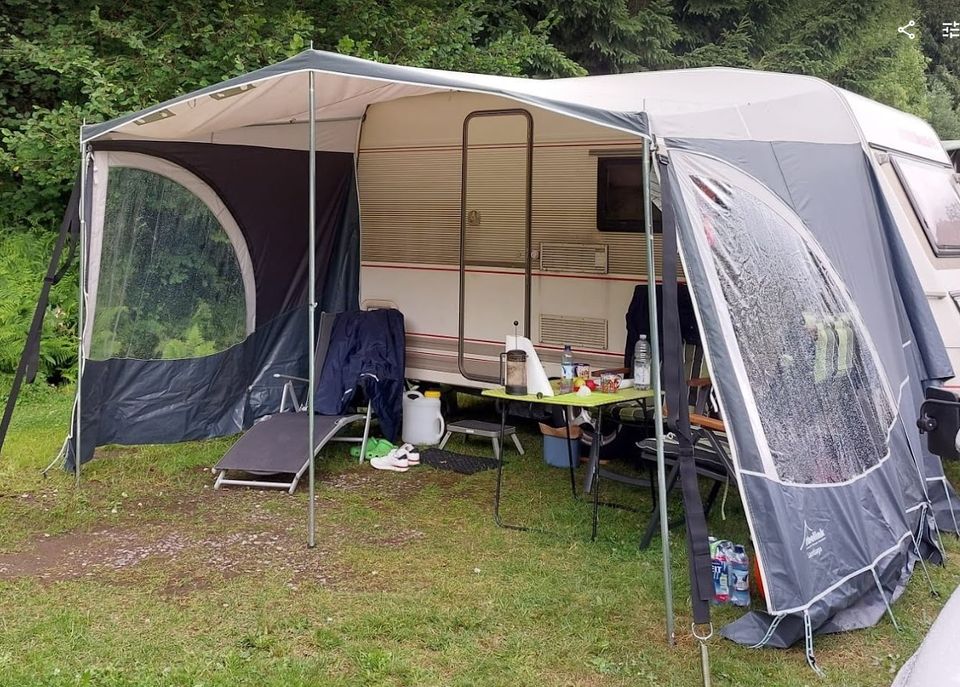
{"type": "Point", "coordinates": [705, 422]}
{"type": "Point", "coordinates": [370, 375]}
{"type": "Point", "coordinates": [699, 382]}
{"type": "Point", "coordinates": [277, 375]}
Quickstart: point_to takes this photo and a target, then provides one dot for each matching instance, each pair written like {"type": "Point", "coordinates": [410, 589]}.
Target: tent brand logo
{"type": "Point", "coordinates": [812, 538]}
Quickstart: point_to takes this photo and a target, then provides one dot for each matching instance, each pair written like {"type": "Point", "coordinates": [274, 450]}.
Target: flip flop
{"type": "Point", "coordinates": [376, 448]}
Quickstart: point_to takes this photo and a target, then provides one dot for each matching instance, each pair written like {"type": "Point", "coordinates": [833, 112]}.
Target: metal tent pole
{"type": "Point", "coordinates": [657, 392]}
{"type": "Point", "coordinates": [311, 304]}
{"type": "Point", "coordinates": [81, 310]}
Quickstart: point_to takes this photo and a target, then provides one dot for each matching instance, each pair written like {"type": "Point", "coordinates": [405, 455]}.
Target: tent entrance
{"type": "Point", "coordinates": [495, 249]}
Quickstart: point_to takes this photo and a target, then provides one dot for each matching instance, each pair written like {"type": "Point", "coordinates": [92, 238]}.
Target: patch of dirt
{"type": "Point", "coordinates": [184, 561]}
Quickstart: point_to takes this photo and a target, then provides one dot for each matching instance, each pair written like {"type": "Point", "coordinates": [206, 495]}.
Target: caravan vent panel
{"type": "Point", "coordinates": [591, 258]}
{"type": "Point", "coordinates": [579, 332]}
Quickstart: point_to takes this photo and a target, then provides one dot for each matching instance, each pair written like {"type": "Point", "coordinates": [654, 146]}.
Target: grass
{"type": "Point", "coordinates": [146, 576]}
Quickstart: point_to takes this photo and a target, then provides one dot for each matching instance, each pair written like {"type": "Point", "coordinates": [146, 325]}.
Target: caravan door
{"type": "Point", "coordinates": [495, 249]}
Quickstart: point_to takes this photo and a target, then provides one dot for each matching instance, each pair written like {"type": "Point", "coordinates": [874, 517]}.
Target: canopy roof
{"type": "Point", "coordinates": [269, 106]}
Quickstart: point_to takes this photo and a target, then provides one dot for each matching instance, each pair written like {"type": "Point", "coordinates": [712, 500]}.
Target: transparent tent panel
{"type": "Point", "coordinates": [823, 407]}
{"type": "Point", "coordinates": [170, 284]}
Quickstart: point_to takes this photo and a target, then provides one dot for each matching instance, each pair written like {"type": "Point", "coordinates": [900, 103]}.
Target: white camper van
{"type": "Point", "coordinates": [918, 180]}
{"type": "Point", "coordinates": [550, 213]}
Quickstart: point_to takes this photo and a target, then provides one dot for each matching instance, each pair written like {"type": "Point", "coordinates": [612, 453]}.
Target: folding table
{"type": "Point", "coordinates": [596, 400]}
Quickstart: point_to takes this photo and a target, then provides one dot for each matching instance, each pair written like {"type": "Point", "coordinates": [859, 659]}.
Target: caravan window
{"type": "Point", "coordinates": [620, 195]}
{"type": "Point", "coordinates": [934, 195]}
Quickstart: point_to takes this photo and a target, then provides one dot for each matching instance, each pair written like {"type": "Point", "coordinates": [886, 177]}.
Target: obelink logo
{"type": "Point", "coordinates": [812, 538]}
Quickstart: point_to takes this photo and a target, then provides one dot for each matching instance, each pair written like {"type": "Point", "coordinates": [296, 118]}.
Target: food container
{"type": "Point", "coordinates": [582, 370]}
{"type": "Point", "coordinates": [610, 382]}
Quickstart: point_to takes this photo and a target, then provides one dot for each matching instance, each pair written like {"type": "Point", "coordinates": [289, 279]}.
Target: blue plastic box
{"type": "Point", "coordinates": [555, 451]}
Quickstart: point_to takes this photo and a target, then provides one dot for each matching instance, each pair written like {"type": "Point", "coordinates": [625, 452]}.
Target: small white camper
{"type": "Point", "coordinates": [921, 189]}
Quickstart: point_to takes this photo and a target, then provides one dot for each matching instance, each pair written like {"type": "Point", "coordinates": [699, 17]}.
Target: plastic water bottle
{"type": "Point", "coordinates": [719, 569]}
{"type": "Point", "coordinates": [567, 371]}
{"type": "Point", "coordinates": [641, 363]}
{"type": "Point", "coordinates": [739, 577]}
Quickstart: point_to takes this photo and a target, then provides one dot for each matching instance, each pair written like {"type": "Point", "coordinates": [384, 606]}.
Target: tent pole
{"type": "Point", "coordinates": [657, 392]}
{"type": "Point", "coordinates": [81, 310]}
{"type": "Point", "coordinates": [311, 304]}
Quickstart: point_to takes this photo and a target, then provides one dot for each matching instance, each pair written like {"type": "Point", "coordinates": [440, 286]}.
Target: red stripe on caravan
{"type": "Point", "coordinates": [542, 347]}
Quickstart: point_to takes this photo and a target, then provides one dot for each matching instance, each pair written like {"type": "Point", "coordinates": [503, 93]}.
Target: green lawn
{"type": "Point", "coordinates": [146, 576]}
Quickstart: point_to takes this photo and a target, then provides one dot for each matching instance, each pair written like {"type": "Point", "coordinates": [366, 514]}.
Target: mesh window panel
{"type": "Point", "coordinates": [823, 407]}
{"type": "Point", "coordinates": [170, 285]}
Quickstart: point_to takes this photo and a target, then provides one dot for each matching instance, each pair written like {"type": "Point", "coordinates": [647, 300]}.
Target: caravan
{"type": "Point", "coordinates": [918, 182]}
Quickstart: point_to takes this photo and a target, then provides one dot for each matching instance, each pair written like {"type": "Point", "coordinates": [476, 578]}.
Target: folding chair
{"type": "Point", "coordinates": [278, 444]}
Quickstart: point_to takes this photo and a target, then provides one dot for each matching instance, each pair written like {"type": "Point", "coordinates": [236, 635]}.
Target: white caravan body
{"type": "Point", "coordinates": [484, 166]}
{"type": "Point", "coordinates": [918, 180]}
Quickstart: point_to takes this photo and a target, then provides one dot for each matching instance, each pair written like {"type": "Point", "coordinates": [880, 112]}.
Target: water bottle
{"type": "Point", "coordinates": [641, 363]}
{"type": "Point", "coordinates": [739, 577]}
{"type": "Point", "coordinates": [719, 569]}
{"type": "Point", "coordinates": [567, 371]}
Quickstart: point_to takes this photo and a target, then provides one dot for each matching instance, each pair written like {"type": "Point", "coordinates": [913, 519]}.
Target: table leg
{"type": "Point", "coordinates": [573, 474]}
{"type": "Point", "coordinates": [595, 464]}
{"type": "Point", "coordinates": [499, 457]}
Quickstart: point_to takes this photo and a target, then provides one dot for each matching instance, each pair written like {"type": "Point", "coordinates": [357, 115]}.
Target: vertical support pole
{"type": "Point", "coordinates": [312, 305]}
{"type": "Point", "coordinates": [81, 309]}
{"type": "Point", "coordinates": [657, 392]}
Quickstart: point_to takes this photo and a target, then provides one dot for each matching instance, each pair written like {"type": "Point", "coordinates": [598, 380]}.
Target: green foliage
{"type": "Point", "coordinates": [23, 263]}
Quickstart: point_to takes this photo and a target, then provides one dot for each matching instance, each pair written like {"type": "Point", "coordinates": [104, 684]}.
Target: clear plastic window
{"type": "Point", "coordinates": [170, 285]}
{"type": "Point", "coordinates": [816, 389]}
{"type": "Point", "coordinates": [935, 198]}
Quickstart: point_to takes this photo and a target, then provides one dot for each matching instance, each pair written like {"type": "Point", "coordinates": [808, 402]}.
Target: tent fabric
{"type": "Point", "coordinates": [817, 254]}
{"type": "Point", "coordinates": [129, 401]}
{"type": "Point", "coordinates": [265, 189]}
{"type": "Point", "coordinates": [371, 342]}
{"type": "Point", "coordinates": [276, 96]}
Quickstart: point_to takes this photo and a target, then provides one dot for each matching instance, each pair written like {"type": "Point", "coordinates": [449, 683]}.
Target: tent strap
{"type": "Point", "coordinates": [30, 357]}
{"type": "Point", "coordinates": [676, 394]}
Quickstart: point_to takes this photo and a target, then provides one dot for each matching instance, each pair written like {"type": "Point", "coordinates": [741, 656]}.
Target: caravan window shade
{"type": "Point", "coordinates": [935, 198]}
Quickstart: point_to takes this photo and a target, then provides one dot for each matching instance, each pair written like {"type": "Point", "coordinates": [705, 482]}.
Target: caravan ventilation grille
{"type": "Point", "coordinates": [591, 258]}
{"type": "Point", "coordinates": [579, 332]}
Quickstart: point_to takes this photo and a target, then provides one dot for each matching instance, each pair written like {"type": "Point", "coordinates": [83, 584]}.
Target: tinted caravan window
{"type": "Point", "coordinates": [620, 195]}
{"type": "Point", "coordinates": [934, 195]}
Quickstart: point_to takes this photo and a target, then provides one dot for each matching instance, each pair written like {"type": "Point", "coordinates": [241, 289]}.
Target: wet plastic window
{"type": "Point", "coordinates": [820, 406]}
{"type": "Point", "coordinates": [935, 198]}
{"type": "Point", "coordinates": [170, 284]}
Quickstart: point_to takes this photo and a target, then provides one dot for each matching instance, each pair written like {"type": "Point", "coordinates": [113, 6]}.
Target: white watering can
{"type": "Point", "coordinates": [423, 423]}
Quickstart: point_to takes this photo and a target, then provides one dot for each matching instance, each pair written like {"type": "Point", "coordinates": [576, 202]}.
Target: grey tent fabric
{"type": "Point", "coordinates": [856, 535]}
{"type": "Point", "coordinates": [632, 121]}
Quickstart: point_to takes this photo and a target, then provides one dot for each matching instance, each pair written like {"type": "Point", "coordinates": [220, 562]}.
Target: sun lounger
{"type": "Point", "coordinates": [278, 445]}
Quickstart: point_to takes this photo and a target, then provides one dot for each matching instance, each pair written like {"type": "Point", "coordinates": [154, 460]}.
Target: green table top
{"type": "Point", "coordinates": [594, 400]}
